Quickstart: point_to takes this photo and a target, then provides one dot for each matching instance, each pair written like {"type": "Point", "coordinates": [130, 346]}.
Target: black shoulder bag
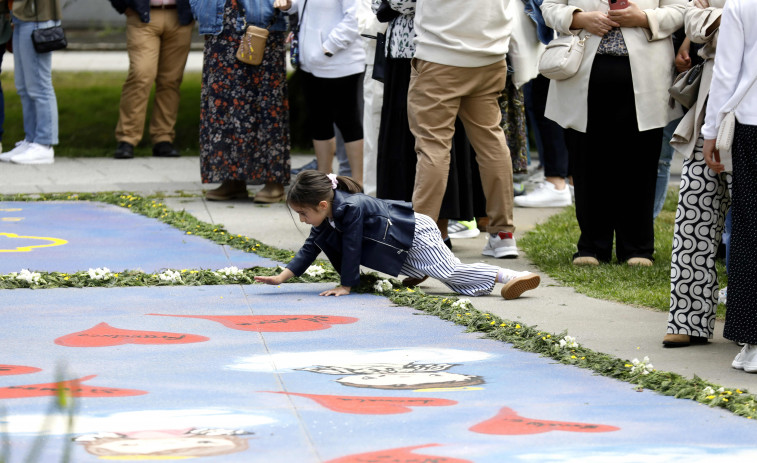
{"type": "Point", "coordinates": [50, 38]}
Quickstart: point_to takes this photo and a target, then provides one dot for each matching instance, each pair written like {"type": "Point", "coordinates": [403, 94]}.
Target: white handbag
{"type": "Point", "coordinates": [562, 57]}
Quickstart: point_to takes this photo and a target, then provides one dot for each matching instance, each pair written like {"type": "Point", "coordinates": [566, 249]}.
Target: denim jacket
{"type": "Point", "coordinates": [209, 15]}
{"type": "Point", "coordinates": [533, 10]}
{"type": "Point", "coordinates": [142, 7]}
{"type": "Point", "coordinates": [376, 233]}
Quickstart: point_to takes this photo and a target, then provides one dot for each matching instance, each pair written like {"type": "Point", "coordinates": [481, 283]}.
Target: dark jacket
{"type": "Point", "coordinates": [142, 7]}
{"type": "Point", "coordinates": [376, 233]}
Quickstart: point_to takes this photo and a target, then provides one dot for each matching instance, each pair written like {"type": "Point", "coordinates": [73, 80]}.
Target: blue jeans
{"type": "Point", "coordinates": [663, 167]}
{"type": "Point", "coordinates": [34, 84]}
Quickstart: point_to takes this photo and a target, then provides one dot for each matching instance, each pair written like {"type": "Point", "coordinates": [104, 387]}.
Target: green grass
{"type": "Point", "coordinates": [551, 246]}
{"type": "Point", "coordinates": [88, 113]}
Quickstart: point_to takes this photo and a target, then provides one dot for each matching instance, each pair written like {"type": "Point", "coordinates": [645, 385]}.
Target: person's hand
{"type": "Point", "coordinates": [630, 16]}
{"type": "Point", "coordinates": [683, 60]}
{"type": "Point", "coordinates": [274, 280]}
{"type": "Point", "coordinates": [712, 156]}
{"type": "Point", "coordinates": [701, 4]}
{"type": "Point", "coordinates": [338, 291]}
{"type": "Point", "coordinates": [283, 5]}
{"type": "Point", "coordinates": [594, 22]}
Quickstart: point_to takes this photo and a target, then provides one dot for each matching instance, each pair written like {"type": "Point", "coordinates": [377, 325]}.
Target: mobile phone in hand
{"type": "Point", "coordinates": [618, 4]}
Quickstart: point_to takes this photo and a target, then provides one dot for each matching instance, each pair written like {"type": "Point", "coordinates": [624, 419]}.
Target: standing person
{"type": "Point", "coordinates": [158, 37]}
{"type": "Point", "coordinates": [459, 69]}
{"type": "Point", "coordinates": [5, 36]}
{"type": "Point", "coordinates": [373, 94]}
{"type": "Point", "coordinates": [34, 83]}
{"type": "Point", "coordinates": [733, 88]}
{"type": "Point", "coordinates": [355, 229]}
{"type": "Point", "coordinates": [703, 201]}
{"type": "Point", "coordinates": [244, 112]}
{"type": "Point", "coordinates": [332, 60]}
{"type": "Point", "coordinates": [614, 110]}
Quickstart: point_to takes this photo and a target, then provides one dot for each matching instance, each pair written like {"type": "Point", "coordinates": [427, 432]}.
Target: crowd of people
{"type": "Point", "coordinates": [431, 102]}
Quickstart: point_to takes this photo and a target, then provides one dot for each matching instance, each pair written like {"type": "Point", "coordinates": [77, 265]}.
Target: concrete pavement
{"type": "Point", "coordinates": [617, 329]}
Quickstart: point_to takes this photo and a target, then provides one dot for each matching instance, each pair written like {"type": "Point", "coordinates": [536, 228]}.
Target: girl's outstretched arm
{"type": "Point", "coordinates": [276, 280]}
{"type": "Point", "coordinates": [338, 291]}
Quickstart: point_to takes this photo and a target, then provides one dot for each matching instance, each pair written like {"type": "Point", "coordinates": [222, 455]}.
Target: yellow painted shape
{"type": "Point", "coordinates": [12, 219]}
{"type": "Point", "coordinates": [52, 242]}
{"type": "Point", "coordinates": [11, 209]}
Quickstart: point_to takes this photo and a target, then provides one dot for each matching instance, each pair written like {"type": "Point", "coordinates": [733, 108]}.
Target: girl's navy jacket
{"type": "Point", "coordinates": [367, 231]}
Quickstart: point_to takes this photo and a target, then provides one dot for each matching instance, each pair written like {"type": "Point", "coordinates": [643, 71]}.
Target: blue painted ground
{"type": "Point", "coordinates": [357, 363]}
{"type": "Point", "coordinates": [76, 236]}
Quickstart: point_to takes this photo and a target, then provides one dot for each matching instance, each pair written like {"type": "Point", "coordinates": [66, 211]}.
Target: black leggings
{"type": "Point", "coordinates": [333, 101]}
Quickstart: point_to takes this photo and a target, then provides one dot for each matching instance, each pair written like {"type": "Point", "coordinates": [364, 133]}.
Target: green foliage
{"type": "Point", "coordinates": [551, 246]}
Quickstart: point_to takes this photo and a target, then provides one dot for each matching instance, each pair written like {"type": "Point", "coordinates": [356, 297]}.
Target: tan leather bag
{"type": "Point", "coordinates": [252, 46]}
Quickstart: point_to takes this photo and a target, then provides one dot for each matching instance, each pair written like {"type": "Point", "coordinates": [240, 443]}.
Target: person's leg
{"type": "Point", "coordinates": [700, 215]}
{"type": "Point", "coordinates": [143, 47]}
{"type": "Point", "coordinates": [432, 103]}
{"type": "Point", "coordinates": [319, 120]}
{"type": "Point", "coordinates": [2, 100]}
{"type": "Point", "coordinates": [480, 114]}
{"type": "Point", "coordinates": [347, 116]}
{"type": "Point", "coordinates": [663, 167]}
{"type": "Point", "coordinates": [373, 94]}
{"type": "Point", "coordinates": [175, 41]}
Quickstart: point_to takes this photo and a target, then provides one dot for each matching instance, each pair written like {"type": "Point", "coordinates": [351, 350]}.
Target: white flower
{"type": "Point", "coordinates": [170, 275]}
{"type": "Point", "coordinates": [462, 304]}
{"type": "Point", "coordinates": [26, 275]}
{"type": "Point", "coordinates": [100, 273]}
{"type": "Point", "coordinates": [382, 285]}
{"type": "Point", "coordinates": [314, 271]}
{"type": "Point", "coordinates": [642, 366]}
{"type": "Point", "coordinates": [569, 342]}
{"type": "Point", "coordinates": [708, 391]}
{"type": "Point", "coordinates": [229, 271]}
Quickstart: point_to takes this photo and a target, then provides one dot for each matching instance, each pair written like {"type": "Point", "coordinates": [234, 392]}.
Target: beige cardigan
{"type": "Point", "coordinates": [697, 21]}
{"type": "Point", "coordinates": [650, 52]}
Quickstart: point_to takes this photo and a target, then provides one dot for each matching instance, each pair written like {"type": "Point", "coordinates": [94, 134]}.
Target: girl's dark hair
{"type": "Point", "coordinates": [311, 187]}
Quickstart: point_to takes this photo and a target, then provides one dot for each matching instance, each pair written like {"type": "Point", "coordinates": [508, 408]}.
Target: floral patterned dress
{"type": "Point", "coordinates": [244, 113]}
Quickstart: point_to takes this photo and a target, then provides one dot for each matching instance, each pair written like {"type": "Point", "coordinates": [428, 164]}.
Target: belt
{"type": "Point", "coordinates": [163, 7]}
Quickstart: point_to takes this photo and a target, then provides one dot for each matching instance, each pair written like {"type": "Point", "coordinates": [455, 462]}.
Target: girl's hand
{"type": "Point", "coordinates": [595, 22]}
{"type": "Point", "coordinates": [712, 156]}
{"type": "Point", "coordinates": [338, 291]}
{"type": "Point", "coordinates": [277, 279]}
{"type": "Point", "coordinates": [631, 16]}
{"type": "Point", "coordinates": [283, 5]}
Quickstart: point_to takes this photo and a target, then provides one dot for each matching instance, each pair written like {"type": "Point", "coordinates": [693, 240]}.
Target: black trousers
{"type": "Point", "coordinates": [614, 168]}
{"type": "Point", "coordinates": [741, 318]}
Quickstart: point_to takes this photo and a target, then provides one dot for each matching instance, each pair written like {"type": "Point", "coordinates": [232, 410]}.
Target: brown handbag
{"type": "Point", "coordinates": [252, 46]}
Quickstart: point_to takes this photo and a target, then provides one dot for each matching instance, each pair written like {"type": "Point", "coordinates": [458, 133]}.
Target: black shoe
{"type": "Point", "coordinates": [165, 149]}
{"type": "Point", "coordinates": [124, 150]}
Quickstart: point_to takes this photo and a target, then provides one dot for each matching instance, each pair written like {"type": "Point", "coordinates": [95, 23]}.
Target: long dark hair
{"type": "Point", "coordinates": [311, 187]}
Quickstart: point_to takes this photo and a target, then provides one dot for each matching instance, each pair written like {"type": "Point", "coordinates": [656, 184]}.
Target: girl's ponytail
{"type": "Point", "coordinates": [311, 187]}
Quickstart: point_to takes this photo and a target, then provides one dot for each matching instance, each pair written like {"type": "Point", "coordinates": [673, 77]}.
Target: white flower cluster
{"type": "Point", "coordinates": [708, 390]}
{"type": "Point", "coordinates": [462, 304]}
{"type": "Point", "coordinates": [229, 271]}
{"type": "Point", "coordinates": [170, 275]}
{"type": "Point", "coordinates": [314, 271]}
{"type": "Point", "coordinates": [382, 285]}
{"type": "Point", "coordinates": [26, 275]}
{"type": "Point", "coordinates": [642, 366]}
{"type": "Point", "coordinates": [100, 273]}
{"type": "Point", "coordinates": [569, 342]}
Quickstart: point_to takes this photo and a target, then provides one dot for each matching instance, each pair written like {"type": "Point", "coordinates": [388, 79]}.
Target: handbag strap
{"type": "Point", "coordinates": [743, 96]}
{"type": "Point", "coordinates": [299, 19]}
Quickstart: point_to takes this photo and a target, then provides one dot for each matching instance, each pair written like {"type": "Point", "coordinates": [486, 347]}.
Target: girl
{"type": "Point", "coordinates": [354, 229]}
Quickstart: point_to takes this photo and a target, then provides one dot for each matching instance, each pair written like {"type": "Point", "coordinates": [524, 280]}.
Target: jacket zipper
{"type": "Point", "coordinates": [399, 251]}
{"type": "Point", "coordinates": [388, 223]}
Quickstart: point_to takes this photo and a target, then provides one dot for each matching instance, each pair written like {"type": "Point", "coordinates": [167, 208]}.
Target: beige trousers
{"type": "Point", "coordinates": [436, 96]}
{"type": "Point", "coordinates": [158, 53]}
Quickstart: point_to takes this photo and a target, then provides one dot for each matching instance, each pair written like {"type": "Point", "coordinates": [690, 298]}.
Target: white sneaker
{"type": "Point", "coordinates": [545, 195]}
{"type": "Point", "coordinates": [35, 154]}
{"type": "Point", "coordinates": [20, 147]}
{"type": "Point", "coordinates": [462, 229]}
{"type": "Point", "coordinates": [499, 245]}
{"type": "Point", "coordinates": [746, 359]}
